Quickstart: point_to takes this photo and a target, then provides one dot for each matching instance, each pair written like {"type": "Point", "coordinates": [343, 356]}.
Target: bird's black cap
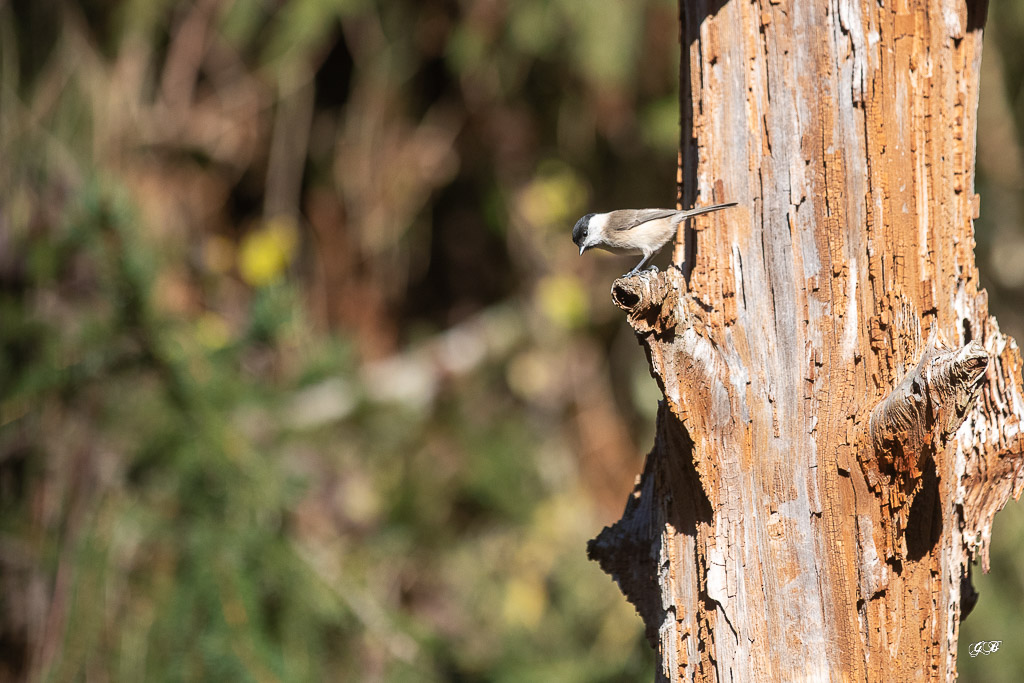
{"type": "Point", "coordinates": [579, 232]}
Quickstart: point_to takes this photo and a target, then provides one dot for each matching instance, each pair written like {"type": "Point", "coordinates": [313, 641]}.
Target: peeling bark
{"type": "Point", "coordinates": [842, 415]}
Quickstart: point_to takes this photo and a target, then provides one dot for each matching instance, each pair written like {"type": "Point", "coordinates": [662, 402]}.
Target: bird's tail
{"type": "Point", "coordinates": [705, 209]}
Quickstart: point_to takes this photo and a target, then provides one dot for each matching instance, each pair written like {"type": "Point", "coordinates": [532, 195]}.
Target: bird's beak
{"type": "Point", "coordinates": [583, 248]}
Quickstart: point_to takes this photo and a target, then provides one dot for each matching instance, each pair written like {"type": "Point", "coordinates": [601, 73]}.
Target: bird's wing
{"type": "Point", "coordinates": [632, 218]}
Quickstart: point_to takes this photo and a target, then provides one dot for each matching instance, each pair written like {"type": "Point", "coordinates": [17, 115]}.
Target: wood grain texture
{"type": "Point", "coordinates": [777, 532]}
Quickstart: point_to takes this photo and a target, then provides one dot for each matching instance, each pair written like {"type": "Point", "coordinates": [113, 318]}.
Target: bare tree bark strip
{"type": "Point", "coordinates": [842, 415]}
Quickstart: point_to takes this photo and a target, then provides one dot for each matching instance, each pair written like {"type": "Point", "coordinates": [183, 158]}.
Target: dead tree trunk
{"type": "Point", "coordinates": [841, 417]}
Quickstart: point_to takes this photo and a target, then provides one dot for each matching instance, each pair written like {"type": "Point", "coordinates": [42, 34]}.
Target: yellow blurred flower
{"type": "Point", "coordinates": [525, 601]}
{"type": "Point", "coordinates": [213, 331]}
{"type": "Point", "coordinates": [561, 298]}
{"type": "Point", "coordinates": [265, 253]}
{"type": "Point", "coordinates": [555, 196]}
{"type": "Point", "coordinates": [530, 374]}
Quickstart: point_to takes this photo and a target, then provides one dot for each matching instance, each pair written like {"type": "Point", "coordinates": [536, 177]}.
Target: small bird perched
{"type": "Point", "coordinates": [633, 231]}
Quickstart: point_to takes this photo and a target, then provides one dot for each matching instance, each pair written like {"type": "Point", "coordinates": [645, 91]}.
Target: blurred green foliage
{"type": "Point", "coordinates": [293, 382]}
{"type": "Point", "coordinates": [300, 376]}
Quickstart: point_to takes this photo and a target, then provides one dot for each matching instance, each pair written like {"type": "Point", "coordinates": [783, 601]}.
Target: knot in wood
{"type": "Point", "coordinates": [956, 378]}
{"type": "Point", "coordinates": [927, 406]}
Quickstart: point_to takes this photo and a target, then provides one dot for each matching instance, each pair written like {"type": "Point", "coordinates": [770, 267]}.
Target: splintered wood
{"type": "Point", "coordinates": [842, 415]}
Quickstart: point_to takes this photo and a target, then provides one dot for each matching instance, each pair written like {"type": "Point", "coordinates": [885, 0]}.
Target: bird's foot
{"type": "Point", "coordinates": [637, 271]}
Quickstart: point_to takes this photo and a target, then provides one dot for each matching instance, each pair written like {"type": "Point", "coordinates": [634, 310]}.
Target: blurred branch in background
{"type": "Point", "coordinates": [299, 375]}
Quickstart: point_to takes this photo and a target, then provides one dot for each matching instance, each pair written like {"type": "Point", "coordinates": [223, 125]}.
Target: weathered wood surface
{"type": "Point", "coordinates": [842, 415]}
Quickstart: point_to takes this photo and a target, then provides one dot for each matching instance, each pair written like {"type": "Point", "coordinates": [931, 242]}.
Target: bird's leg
{"type": "Point", "coordinates": [639, 265]}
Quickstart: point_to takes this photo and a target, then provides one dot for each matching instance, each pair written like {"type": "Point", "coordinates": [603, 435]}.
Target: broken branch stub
{"type": "Point", "coordinates": [649, 300]}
